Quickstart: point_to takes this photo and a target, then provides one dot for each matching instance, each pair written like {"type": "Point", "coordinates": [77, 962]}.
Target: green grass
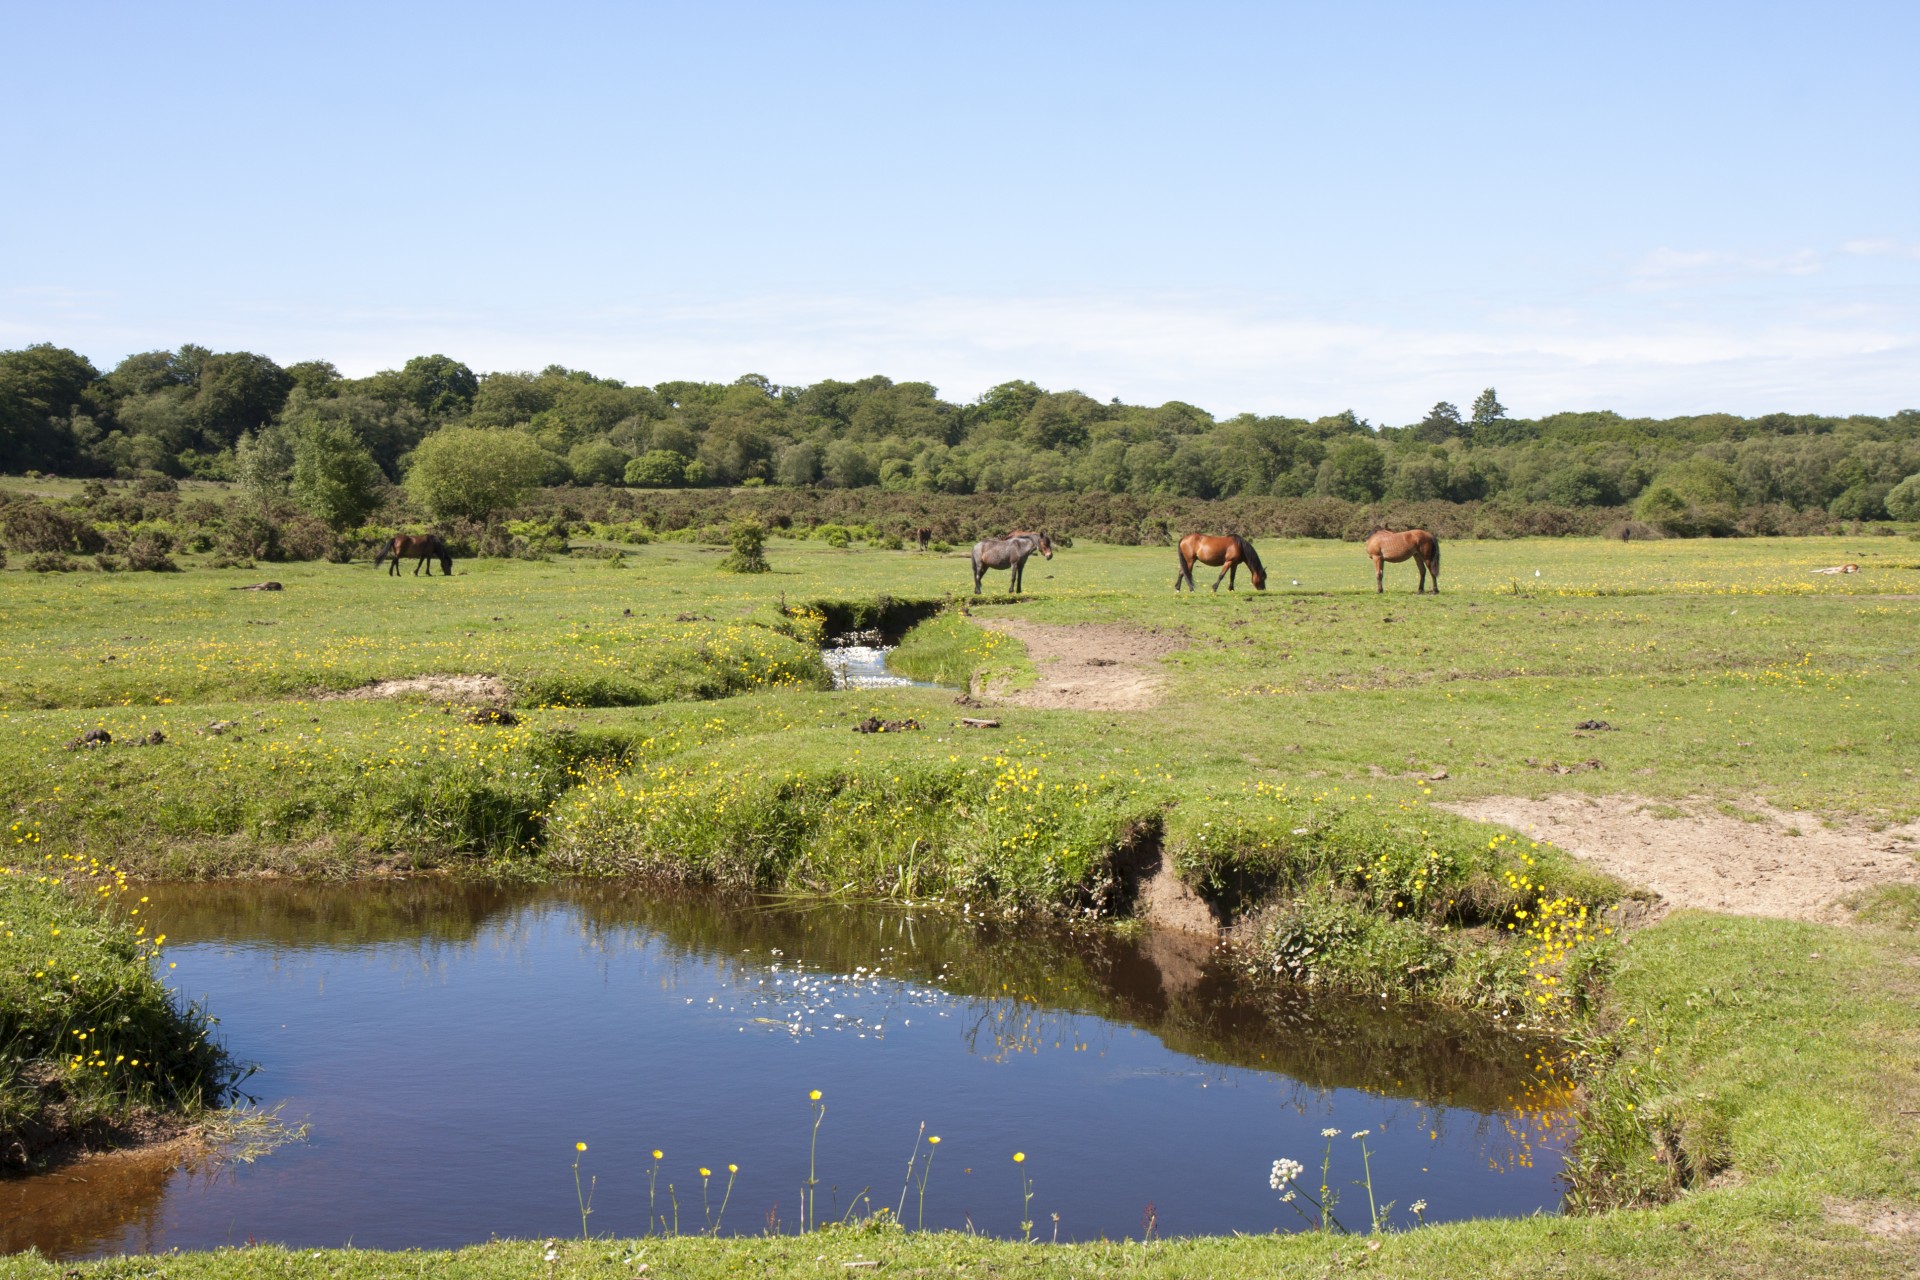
{"type": "Point", "coordinates": [92, 1046]}
{"type": "Point", "coordinates": [1290, 769]}
{"type": "Point", "coordinates": [950, 650]}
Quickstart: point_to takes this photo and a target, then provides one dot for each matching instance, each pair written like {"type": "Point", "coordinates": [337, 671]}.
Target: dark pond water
{"type": "Point", "coordinates": [449, 1045]}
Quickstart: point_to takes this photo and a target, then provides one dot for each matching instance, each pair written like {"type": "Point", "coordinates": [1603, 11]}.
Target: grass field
{"type": "Point", "coordinates": [673, 717]}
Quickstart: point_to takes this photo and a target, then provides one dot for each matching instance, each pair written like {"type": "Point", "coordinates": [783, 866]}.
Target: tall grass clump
{"type": "Point", "coordinates": [94, 1050]}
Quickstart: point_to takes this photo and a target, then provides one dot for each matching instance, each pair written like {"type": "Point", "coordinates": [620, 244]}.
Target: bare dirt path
{"type": "Point", "coordinates": [1088, 666]}
{"type": "Point", "coordinates": [1769, 863]}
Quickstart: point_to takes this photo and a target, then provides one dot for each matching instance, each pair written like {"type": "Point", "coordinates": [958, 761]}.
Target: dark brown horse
{"type": "Point", "coordinates": [1230, 551]}
{"type": "Point", "coordinates": [425, 547]}
{"type": "Point", "coordinates": [1417, 544]}
{"type": "Point", "coordinates": [1010, 552]}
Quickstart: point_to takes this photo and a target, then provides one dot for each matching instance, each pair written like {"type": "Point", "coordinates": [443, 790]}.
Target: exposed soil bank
{"type": "Point", "coordinates": [1088, 666]}
{"type": "Point", "coordinates": [1761, 862]}
{"type": "Point", "coordinates": [459, 688]}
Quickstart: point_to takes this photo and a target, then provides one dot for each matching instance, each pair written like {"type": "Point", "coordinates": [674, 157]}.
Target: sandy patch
{"type": "Point", "coordinates": [477, 689]}
{"type": "Point", "coordinates": [1779, 864]}
{"type": "Point", "coordinates": [1888, 1221]}
{"type": "Point", "coordinates": [1088, 666]}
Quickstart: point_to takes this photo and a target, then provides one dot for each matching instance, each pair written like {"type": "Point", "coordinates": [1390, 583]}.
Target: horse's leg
{"type": "Point", "coordinates": [1420, 563]}
{"type": "Point", "coordinates": [1436, 569]}
{"type": "Point", "coordinates": [978, 572]}
{"type": "Point", "coordinates": [1233, 575]}
{"type": "Point", "coordinates": [1379, 574]}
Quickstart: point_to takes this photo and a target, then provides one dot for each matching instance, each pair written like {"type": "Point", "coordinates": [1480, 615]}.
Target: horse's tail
{"type": "Point", "coordinates": [380, 556]}
{"type": "Point", "coordinates": [1436, 556]}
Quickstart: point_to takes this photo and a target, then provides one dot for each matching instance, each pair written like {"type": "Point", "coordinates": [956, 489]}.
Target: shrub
{"type": "Point", "coordinates": [748, 539]}
{"type": "Point", "coordinates": [303, 537]}
{"type": "Point", "coordinates": [49, 562]}
{"type": "Point", "coordinates": [250, 535]}
{"type": "Point", "coordinates": [35, 526]}
{"type": "Point", "coordinates": [148, 553]}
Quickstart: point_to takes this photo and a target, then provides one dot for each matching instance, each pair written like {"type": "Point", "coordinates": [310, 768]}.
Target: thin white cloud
{"type": "Point", "coordinates": [1883, 247]}
{"type": "Point", "coordinates": [1676, 268]}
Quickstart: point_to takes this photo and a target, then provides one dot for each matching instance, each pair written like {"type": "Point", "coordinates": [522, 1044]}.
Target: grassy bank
{"type": "Point", "coordinates": [94, 1051]}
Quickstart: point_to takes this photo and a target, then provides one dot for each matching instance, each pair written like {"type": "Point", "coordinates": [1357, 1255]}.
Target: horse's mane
{"type": "Point", "coordinates": [1248, 554]}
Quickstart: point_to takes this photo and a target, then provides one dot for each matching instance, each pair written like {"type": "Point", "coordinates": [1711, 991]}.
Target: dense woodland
{"type": "Point", "coordinates": [346, 449]}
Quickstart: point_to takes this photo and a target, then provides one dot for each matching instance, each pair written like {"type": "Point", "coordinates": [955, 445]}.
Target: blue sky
{"type": "Point", "coordinates": [1288, 208]}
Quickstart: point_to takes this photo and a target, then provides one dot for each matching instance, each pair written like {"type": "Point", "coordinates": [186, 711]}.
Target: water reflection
{"type": "Point", "coordinates": [449, 1043]}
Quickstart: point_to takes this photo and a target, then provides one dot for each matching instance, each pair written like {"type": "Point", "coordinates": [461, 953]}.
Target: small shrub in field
{"type": "Point", "coordinates": [250, 535]}
{"type": "Point", "coordinates": [149, 553]}
{"type": "Point", "coordinates": [749, 540]}
{"type": "Point", "coordinates": [49, 562]}
{"type": "Point", "coordinates": [834, 535]}
{"type": "Point", "coordinates": [107, 563]}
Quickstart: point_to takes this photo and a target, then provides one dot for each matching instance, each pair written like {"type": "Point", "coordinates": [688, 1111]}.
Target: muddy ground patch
{"type": "Point", "coordinates": [1754, 860]}
{"type": "Point", "coordinates": [1088, 666]}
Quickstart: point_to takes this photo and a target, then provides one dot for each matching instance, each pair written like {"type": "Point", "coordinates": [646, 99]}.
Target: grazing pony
{"type": "Point", "coordinates": [1010, 552]}
{"type": "Point", "coordinates": [426, 547]}
{"type": "Point", "coordinates": [1421, 546]}
{"type": "Point", "coordinates": [1230, 551]}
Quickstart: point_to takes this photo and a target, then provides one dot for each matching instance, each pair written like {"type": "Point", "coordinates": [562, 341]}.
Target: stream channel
{"type": "Point", "coordinates": [449, 1044]}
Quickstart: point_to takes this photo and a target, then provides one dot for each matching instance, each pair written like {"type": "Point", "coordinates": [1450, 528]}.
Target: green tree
{"type": "Point", "coordinates": [1355, 471]}
{"type": "Point", "coordinates": [263, 463]}
{"type": "Point", "coordinates": [40, 388]}
{"type": "Point", "coordinates": [438, 386]}
{"type": "Point", "coordinates": [657, 469]}
{"type": "Point", "coordinates": [596, 462]}
{"type": "Point", "coordinates": [1903, 500]}
{"type": "Point", "coordinates": [1441, 423]}
{"type": "Point", "coordinates": [473, 473]}
{"type": "Point", "coordinates": [238, 391]}
{"type": "Point", "coordinates": [334, 476]}
{"type": "Point", "coordinates": [1487, 409]}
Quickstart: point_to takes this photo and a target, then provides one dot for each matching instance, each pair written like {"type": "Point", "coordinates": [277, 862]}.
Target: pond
{"type": "Point", "coordinates": [449, 1044]}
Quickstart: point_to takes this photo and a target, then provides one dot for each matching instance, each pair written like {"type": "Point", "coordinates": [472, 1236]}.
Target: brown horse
{"type": "Point", "coordinates": [1227, 550]}
{"type": "Point", "coordinates": [426, 547]}
{"type": "Point", "coordinates": [1421, 546]}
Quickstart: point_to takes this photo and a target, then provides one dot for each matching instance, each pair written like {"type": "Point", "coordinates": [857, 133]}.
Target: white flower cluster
{"type": "Point", "coordinates": [1281, 1179]}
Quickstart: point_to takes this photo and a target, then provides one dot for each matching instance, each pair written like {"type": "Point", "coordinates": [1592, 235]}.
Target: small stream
{"type": "Point", "coordinates": [864, 666]}
{"type": "Point", "coordinates": [449, 1044]}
